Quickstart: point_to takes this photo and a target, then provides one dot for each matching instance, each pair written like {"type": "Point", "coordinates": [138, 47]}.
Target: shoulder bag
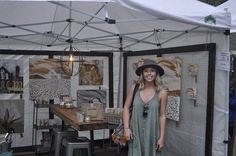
{"type": "Point", "coordinates": [118, 136]}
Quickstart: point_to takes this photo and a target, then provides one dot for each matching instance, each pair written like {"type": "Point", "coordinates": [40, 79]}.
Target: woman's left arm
{"type": "Point", "coordinates": [163, 104]}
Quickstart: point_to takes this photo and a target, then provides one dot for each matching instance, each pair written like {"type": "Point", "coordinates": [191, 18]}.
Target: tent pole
{"type": "Point", "coordinates": [142, 40]}
{"type": "Point", "coordinates": [120, 71]}
{"type": "Point", "coordinates": [227, 101]}
{"type": "Point", "coordinates": [32, 24]}
{"type": "Point", "coordinates": [59, 35]}
{"type": "Point", "coordinates": [18, 27]}
{"type": "Point", "coordinates": [90, 19]}
{"type": "Point", "coordinates": [187, 31]}
{"type": "Point", "coordinates": [9, 37]}
{"type": "Point", "coordinates": [88, 14]}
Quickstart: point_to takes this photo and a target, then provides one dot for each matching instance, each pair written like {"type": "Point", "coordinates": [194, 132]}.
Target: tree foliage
{"type": "Point", "coordinates": [214, 2]}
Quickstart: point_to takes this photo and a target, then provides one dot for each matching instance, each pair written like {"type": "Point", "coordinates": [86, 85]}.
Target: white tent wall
{"type": "Point", "coordinates": [229, 6]}
{"type": "Point", "coordinates": [221, 104]}
{"type": "Point", "coordinates": [171, 34]}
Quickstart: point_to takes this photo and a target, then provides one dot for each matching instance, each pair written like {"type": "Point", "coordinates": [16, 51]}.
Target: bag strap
{"type": "Point", "coordinates": [134, 92]}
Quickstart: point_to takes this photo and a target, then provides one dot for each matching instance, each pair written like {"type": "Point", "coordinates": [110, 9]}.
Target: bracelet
{"type": "Point", "coordinates": [127, 128]}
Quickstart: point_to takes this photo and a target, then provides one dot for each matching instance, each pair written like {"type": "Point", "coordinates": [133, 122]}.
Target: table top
{"type": "Point", "coordinates": [69, 115]}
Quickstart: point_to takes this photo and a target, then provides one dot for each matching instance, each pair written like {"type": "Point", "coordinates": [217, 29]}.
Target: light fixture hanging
{"type": "Point", "coordinates": [71, 58]}
{"type": "Point", "coordinates": [71, 49]}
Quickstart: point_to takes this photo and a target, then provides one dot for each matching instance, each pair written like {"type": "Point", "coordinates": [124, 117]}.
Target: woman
{"type": "Point", "coordinates": [145, 129]}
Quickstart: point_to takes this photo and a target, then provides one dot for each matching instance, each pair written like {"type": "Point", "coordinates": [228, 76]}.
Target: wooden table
{"type": "Point", "coordinates": [69, 115]}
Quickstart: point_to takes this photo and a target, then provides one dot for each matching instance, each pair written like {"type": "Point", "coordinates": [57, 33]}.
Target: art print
{"type": "Point", "coordinates": [89, 96]}
{"type": "Point", "coordinates": [48, 78]}
{"type": "Point", "coordinates": [11, 76]}
{"type": "Point", "coordinates": [12, 115]}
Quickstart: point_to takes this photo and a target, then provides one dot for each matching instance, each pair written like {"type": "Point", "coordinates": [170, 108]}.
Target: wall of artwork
{"type": "Point", "coordinates": [43, 79]}
{"type": "Point", "coordinates": [91, 79]}
{"type": "Point", "coordinates": [186, 76]}
{"type": "Point", "coordinates": [11, 84]}
{"type": "Point", "coordinates": [21, 115]}
{"type": "Point", "coordinates": [93, 82]}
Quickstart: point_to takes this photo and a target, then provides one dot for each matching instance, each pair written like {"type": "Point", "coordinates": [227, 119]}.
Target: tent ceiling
{"type": "Point", "coordinates": [86, 25]}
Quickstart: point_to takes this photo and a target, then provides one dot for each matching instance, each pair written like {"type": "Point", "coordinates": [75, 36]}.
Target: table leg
{"type": "Point", "coordinates": [92, 142]}
{"type": "Point", "coordinates": [62, 125]}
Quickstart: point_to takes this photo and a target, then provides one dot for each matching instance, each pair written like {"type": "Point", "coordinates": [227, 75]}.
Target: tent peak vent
{"type": "Point", "coordinates": [69, 20]}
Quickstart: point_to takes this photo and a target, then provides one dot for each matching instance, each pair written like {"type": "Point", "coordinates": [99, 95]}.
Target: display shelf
{"type": "Point", "coordinates": [37, 127]}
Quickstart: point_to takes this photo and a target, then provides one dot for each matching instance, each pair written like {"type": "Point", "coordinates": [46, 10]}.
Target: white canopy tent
{"type": "Point", "coordinates": [229, 6]}
{"type": "Point", "coordinates": [122, 25]}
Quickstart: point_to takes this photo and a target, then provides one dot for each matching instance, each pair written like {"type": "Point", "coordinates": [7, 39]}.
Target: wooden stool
{"type": "Point", "coordinates": [57, 136]}
{"type": "Point", "coordinates": [72, 143]}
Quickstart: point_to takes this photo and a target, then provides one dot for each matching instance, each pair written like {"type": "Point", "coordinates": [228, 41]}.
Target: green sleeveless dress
{"type": "Point", "coordinates": [145, 130]}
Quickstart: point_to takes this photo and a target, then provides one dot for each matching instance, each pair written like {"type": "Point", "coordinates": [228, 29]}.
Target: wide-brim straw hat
{"type": "Point", "coordinates": [149, 64]}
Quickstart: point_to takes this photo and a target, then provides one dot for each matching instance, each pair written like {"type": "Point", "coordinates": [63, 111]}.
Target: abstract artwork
{"type": "Point", "coordinates": [12, 115]}
{"type": "Point", "coordinates": [91, 72]}
{"type": "Point", "coordinates": [172, 79]}
{"type": "Point", "coordinates": [46, 89]}
{"type": "Point", "coordinates": [87, 96]}
{"type": "Point", "coordinates": [11, 76]}
{"type": "Point", "coordinates": [48, 69]}
{"type": "Point", "coordinates": [49, 78]}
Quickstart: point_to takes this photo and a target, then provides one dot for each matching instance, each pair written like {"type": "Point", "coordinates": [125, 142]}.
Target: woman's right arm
{"type": "Point", "coordinates": [126, 114]}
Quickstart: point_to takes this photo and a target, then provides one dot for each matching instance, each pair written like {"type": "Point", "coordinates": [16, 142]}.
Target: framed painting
{"type": "Point", "coordinates": [12, 115]}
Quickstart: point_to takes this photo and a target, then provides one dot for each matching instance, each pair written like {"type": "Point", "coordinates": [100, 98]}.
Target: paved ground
{"type": "Point", "coordinates": [105, 151]}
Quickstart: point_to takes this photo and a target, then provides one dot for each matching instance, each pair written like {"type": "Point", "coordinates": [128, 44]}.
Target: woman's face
{"type": "Point", "coordinates": [149, 74]}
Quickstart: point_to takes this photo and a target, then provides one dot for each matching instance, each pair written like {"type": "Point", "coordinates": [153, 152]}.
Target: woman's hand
{"type": "Point", "coordinates": [128, 134]}
{"type": "Point", "coordinates": [159, 145]}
